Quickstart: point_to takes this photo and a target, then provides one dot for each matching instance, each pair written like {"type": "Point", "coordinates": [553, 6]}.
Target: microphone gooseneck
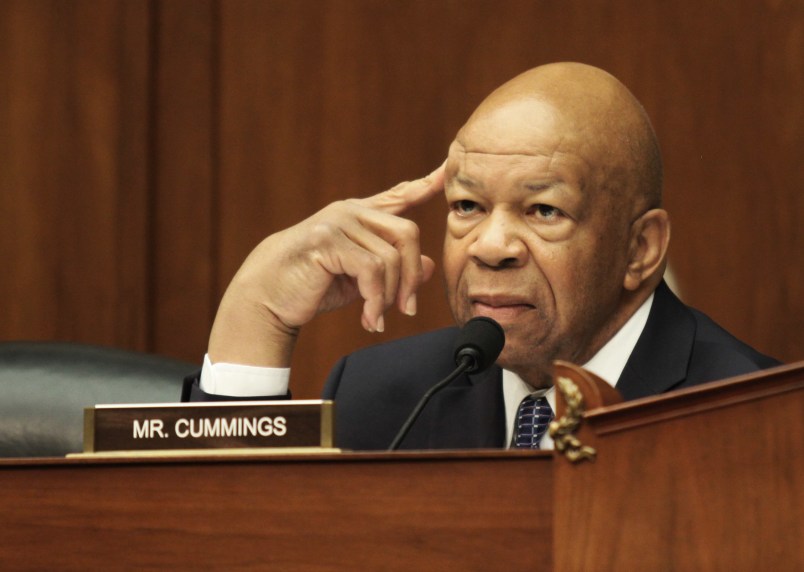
{"type": "Point", "coordinates": [477, 346]}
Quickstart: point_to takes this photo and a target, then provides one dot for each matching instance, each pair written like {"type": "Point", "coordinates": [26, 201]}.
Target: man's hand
{"type": "Point", "coordinates": [358, 248]}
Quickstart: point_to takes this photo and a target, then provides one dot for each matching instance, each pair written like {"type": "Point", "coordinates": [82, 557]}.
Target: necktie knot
{"type": "Point", "coordinates": [532, 419]}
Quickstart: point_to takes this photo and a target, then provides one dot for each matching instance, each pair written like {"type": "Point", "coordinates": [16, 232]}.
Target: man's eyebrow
{"type": "Point", "coordinates": [535, 187]}
{"type": "Point", "coordinates": [558, 186]}
{"type": "Point", "coordinates": [538, 187]}
{"type": "Point", "coordinates": [466, 182]}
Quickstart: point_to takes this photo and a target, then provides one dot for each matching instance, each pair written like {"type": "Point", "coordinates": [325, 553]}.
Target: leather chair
{"type": "Point", "coordinates": [45, 386]}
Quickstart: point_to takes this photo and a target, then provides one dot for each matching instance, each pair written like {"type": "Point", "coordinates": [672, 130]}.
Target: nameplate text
{"type": "Point", "coordinates": [214, 425]}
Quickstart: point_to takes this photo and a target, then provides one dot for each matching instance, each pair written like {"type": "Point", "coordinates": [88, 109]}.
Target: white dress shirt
{"type": "Point", "coordinates": [237, 380]}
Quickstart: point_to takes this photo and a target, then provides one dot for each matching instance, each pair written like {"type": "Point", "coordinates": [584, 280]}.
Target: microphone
{"type": "Point", "coordinates": [477, 346]}
{"type": "Point", "coordinates": [480, 342]}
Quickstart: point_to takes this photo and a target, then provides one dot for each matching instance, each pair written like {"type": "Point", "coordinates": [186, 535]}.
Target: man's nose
{"type": "Point", "coordinates": [499, 242]}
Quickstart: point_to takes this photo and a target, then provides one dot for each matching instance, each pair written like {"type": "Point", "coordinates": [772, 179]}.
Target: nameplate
{"type": "Point", "coordinates": [212, 425]}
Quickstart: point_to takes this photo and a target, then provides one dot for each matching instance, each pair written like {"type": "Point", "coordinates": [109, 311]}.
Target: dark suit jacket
{"type": "Point", "coordinates": [376, 388]}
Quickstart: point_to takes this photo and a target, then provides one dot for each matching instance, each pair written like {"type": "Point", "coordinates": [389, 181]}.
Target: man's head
{"type": "Point", "coordinates": [555, 228]}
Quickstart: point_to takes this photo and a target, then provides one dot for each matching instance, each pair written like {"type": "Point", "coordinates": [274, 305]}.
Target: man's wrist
{"type": "Point", "coordinates": [248, 333]}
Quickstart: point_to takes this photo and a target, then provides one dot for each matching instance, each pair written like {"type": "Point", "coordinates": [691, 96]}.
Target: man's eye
{"type": "Point", "coordinates": [465, 207]}
{"type": "Point", "coordinates": [545, 211]}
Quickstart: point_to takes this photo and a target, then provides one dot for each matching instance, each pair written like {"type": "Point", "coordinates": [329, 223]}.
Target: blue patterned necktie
{"type": "Point", "coordinates": [532, 418]}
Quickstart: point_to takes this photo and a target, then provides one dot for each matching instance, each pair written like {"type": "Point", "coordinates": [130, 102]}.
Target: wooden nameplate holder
{"type": "Point", "coordinates": [217, 427]}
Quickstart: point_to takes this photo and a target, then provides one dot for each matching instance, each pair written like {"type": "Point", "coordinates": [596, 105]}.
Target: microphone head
{"type": "Point", "coordinates": [480, 341]}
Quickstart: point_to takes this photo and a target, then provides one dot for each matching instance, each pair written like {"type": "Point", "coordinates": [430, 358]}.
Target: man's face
{"type": "Point", "coordinates": [533, 239]}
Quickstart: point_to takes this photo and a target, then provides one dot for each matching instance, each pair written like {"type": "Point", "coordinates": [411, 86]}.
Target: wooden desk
{"type": "Point", "coordinates": [400, 511]}
{"type": "Point", "coordinates": [708, 478]}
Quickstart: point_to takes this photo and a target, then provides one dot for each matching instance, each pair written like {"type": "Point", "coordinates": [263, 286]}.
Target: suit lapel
{"type": "Point", "coordinates": [661, 356]}
{"type": "Point", "coordinates": [470, 413]}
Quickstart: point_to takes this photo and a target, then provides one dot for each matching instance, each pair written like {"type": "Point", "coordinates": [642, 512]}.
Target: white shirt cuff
{"type": "Point", "coordinates": [237, 380]}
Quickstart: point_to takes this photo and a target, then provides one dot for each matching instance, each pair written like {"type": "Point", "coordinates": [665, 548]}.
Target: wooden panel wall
{"type": "Point", "coordinates": [146, 147]}
{"type": "Point", "coordinates": [74, 170]}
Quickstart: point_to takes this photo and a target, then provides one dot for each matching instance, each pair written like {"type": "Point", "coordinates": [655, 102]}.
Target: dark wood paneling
{"type": "Point", "coordinates": [730, 121]}
{"type": "Point", "coordinates": [73, 170]}
{"type": "Point", "coordinates": [146, 147]}
{"type": "Point", "coordinates": [185, 126]}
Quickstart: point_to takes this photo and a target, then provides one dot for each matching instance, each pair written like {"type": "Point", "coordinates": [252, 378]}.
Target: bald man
{"type": "Point", "coordinates": [555, 230]}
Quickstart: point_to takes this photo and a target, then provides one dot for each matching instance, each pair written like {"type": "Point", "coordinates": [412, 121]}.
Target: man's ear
{"type": "Point", "coordinates": [650, 235]}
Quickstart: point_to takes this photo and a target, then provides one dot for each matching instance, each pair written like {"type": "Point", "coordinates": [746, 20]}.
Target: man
{"type": "Point", "coordinates": [555, 230]}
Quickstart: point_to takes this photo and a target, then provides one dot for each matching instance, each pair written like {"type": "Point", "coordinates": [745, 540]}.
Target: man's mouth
{"type": "Point", "coordinates": [502, 308]}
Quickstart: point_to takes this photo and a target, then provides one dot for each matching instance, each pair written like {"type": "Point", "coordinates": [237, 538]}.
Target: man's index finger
{"type": "Point", "coordinates": [408, 194]}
